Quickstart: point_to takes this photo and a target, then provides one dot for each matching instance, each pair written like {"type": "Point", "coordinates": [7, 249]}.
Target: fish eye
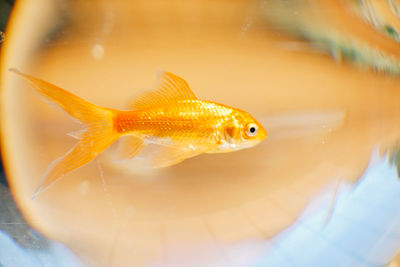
{"type": "Point", "coordinates": [251, 129]}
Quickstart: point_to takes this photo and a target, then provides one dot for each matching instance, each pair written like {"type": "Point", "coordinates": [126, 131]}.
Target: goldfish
{"type": "Point", "coordinates": [171, 117]}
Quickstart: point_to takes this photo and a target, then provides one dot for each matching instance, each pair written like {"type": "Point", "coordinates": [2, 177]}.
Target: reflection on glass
{"type": "Point", "coordinates": [363, 230]}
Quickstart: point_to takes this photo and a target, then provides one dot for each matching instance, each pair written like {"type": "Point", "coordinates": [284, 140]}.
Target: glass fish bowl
{"type": "Point", "coordinates": [320, 76]}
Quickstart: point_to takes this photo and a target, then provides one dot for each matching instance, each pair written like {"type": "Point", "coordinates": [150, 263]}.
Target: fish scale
{"type": "Point", "coordinates": [184, 121]}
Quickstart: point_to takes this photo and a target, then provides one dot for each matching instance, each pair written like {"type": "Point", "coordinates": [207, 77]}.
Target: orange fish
{"type": "Point", "coordinates": [171, 117]}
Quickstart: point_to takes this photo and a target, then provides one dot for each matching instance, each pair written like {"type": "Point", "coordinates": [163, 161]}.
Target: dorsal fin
{"type": "Point", "coordinates": [171, 87]}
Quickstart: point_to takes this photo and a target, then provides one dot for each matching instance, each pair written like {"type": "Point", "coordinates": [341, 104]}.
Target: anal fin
{"type": "Point", "coordinates": [129, 147]}
{"type": "Point", "coordinates": [168, 156]}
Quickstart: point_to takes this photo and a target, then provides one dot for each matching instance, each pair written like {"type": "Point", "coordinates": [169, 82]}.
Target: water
{"type": "Point", "coordinates": [315, 182]}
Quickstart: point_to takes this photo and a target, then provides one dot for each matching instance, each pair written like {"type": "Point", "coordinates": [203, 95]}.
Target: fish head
{"type": "Point", "coordinates": [242, 131]}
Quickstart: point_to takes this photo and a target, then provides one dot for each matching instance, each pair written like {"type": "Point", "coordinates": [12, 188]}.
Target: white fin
{"type": "Point", "coordinates": [79, 134]}
{"type": "Point", "coordinates": [171, 87]}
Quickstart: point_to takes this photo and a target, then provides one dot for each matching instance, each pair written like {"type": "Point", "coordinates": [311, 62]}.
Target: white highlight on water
{"type": "Point", "coordinates": [98, 51]}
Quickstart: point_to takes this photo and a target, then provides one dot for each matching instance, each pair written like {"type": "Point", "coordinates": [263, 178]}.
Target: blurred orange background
{"type": "Point", "coordinates": [324, 119]}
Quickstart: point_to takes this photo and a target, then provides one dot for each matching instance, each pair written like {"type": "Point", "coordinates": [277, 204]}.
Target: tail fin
{"type": "Point", "coordinates": [98, 135]}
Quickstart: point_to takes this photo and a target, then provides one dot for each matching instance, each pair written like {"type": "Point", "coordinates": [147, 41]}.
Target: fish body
{"type": "Point", "coordinates": [193, 123]}
{"type": "Point", "coordinates": [171, 117]}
